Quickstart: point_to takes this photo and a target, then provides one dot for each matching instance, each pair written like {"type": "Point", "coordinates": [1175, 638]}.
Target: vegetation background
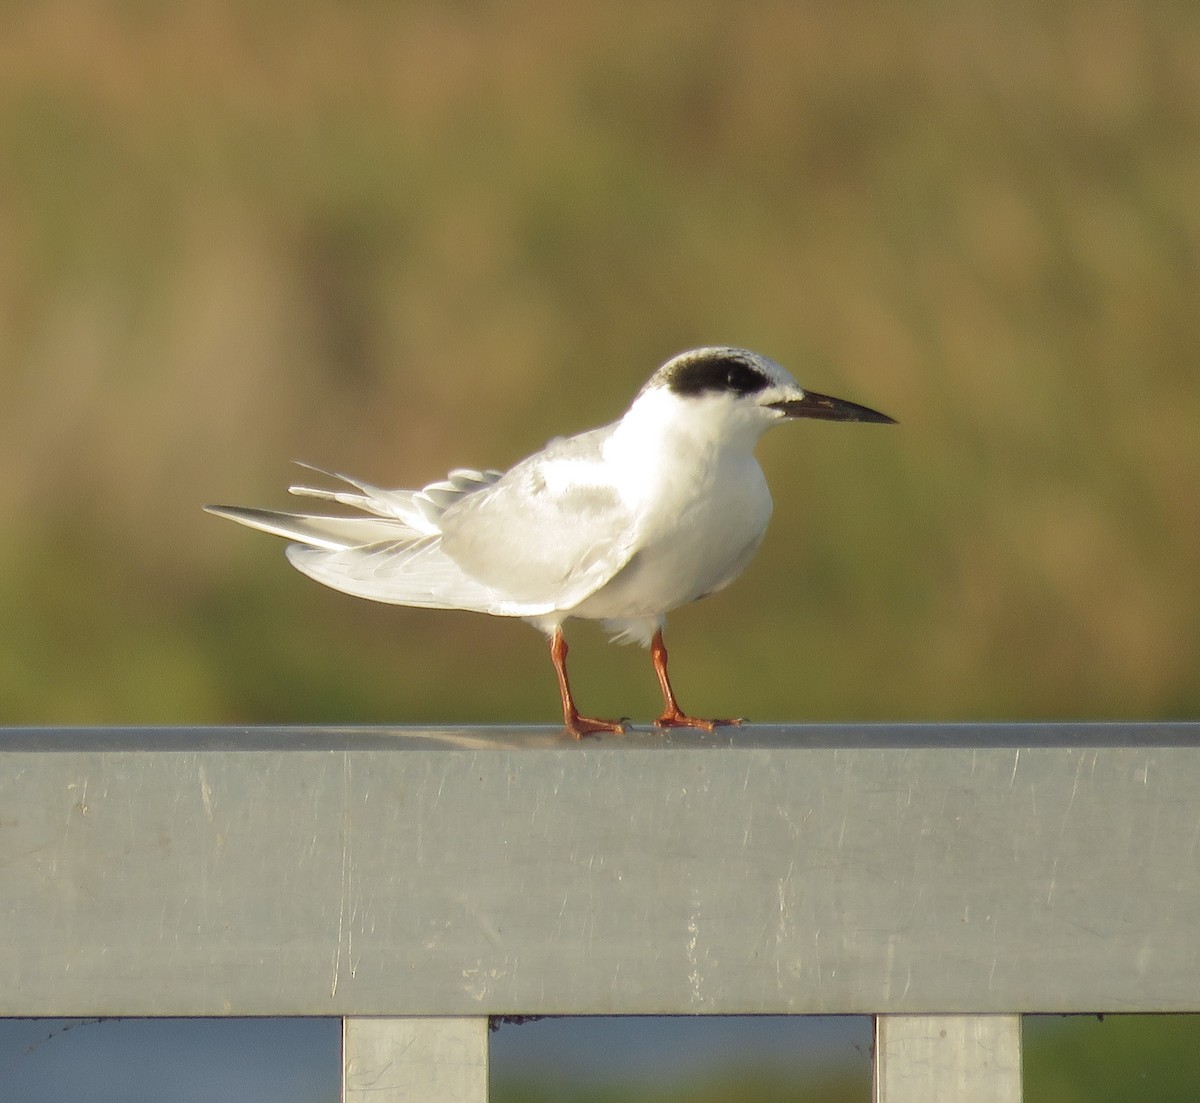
{"type": "Point", "coordinates": [393, 239]}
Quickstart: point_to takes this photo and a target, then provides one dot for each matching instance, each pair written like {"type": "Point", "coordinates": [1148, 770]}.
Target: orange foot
{"type": "Point", "coordinates": [674, 718]}
{"type": "Point", "coordinates": [579, 726]}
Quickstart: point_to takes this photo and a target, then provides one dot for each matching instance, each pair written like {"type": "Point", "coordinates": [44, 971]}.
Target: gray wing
{"type": "Point", "coordinates": [551, 531]}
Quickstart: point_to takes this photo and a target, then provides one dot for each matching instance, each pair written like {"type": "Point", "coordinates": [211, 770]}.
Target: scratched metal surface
{"type": "Point", "coordinates": [816, 869]}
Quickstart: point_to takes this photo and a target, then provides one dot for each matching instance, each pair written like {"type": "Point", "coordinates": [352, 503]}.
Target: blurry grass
{"type": "Point", "coordinates": [1065, 1060]}
{"type": "Point", "coordinates": [734, 1086]}
{"type": "Point", "coordinates": [1121, 1058]}
{"type": "Point", "coordinates": [392, 241]}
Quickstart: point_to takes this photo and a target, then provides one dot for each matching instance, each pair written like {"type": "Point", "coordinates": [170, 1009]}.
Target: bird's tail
{"type": "Point", "coordinates": [315, 531]}
{"type": "Point", "coordinates": [420, 510]}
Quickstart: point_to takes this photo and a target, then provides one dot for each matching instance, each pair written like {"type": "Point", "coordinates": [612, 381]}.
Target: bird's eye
{"type": "Point", "coordinates": [716, 374]}
{"type": "Point", "coordinates": [741, 378]}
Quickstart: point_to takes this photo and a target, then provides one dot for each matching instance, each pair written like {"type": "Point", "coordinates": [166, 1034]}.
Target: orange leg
{"type": "Point", "coordinates": [672, 715]}
{"type": "Point", "coordinates": [577, 725]}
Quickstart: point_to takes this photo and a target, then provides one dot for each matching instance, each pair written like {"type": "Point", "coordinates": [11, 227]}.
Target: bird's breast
{"type": "Point", "coordinates": [696, 531]}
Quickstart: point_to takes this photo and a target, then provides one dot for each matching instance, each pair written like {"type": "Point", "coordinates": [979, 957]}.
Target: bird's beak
{"type": "Point", "coordinates": [825, 408]}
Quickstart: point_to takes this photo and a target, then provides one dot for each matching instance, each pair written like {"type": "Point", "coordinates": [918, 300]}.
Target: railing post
{"type": "Point", "coordinates": [397, 1060]}
{"type": "Point", "coordinates": [947, 1059]}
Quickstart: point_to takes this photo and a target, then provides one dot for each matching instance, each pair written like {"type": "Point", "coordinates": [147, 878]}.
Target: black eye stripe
{"type": "Point", "coordinates": [717, 374]}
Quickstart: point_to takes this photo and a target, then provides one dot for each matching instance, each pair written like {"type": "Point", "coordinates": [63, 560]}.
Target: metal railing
{"type": "Point", "coordinates": [944, 878]}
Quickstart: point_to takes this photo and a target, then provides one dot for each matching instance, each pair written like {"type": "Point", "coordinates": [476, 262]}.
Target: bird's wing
{"type": "Point", "coordinates": [394, 556]}
{"type": "Point", "coordinates": [552, 531]}
{"type": "Point", "coordinates": [414, 572]}
{"type": "Point", "coordinates": [534, 541]}
{"type": "Point", "coordinates": [381, 559]}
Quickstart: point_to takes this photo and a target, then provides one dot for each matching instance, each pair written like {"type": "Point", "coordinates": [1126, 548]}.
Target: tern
{"type": "Point", "coordinates": [620, 524]}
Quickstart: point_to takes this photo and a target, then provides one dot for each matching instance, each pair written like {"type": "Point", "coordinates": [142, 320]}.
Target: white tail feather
{"type": "Point", "coordinates": [328, 533]}
{"type": "Point", "coordinates": [421, 509]}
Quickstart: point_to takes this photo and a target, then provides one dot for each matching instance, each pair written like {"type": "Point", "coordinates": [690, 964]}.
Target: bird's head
{"type": "Point", "coordinates": [737, 392]}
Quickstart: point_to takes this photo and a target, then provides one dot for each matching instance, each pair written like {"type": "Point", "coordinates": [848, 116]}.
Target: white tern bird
{"type": "Point", "coordinates": [620, 524]}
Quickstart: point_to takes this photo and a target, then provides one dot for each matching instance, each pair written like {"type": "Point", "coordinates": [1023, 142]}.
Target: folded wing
{"type": "Point", "coordinates": [528, 543]}
{"type": "Point", "coordinates": [551, 532]}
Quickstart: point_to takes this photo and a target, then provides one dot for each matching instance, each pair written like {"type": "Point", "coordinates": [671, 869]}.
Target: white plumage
{"type": "Point", "coordinates": [620, 524]}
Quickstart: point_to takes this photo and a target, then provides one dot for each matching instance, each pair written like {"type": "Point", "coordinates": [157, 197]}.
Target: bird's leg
{"type": "Point", "coordinates": [672, 715]}
{"type": "Point", "coordinates": [577, 725]}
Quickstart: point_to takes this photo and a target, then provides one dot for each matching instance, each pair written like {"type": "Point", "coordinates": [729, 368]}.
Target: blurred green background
{"type": "Point", "coordinates": [394, 239]}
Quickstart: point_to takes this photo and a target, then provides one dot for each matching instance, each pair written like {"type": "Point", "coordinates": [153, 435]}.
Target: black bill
{"type": "Point", "coordinates": [825, 408]}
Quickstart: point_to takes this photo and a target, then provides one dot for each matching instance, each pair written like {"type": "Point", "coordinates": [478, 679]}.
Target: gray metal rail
{"type": "Point", "coordinates": [945, 878]}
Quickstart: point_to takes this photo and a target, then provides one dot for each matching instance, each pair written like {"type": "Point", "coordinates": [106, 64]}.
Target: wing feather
{"type": "Point", "coordinates": [548, 532]}
{"type": "Point", "coordinates": [413, 573]}
{"type": "Point", "coordinates": [527, 543]}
